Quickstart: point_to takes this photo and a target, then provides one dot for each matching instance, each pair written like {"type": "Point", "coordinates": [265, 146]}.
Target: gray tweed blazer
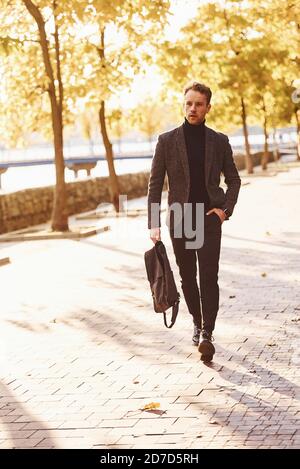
{"type": "Point", "coordinates": [171, 159]}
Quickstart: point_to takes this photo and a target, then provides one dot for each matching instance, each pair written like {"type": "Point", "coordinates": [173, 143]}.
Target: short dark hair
{"type": "Point", "coordinates": [203, 89]}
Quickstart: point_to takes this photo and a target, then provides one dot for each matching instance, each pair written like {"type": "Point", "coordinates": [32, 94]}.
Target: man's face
{"type": "Point", "coordinates": [195, 107]}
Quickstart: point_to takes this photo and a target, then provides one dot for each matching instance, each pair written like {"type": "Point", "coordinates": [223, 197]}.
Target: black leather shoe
{"type": "Point", "coordinates": [196, 335]}
{"type": "Point", "coordinates": [206, 347]}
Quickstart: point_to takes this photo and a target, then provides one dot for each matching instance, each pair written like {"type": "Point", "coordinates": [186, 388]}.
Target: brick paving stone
{"type": "Point", "coordinates": [26, 443]}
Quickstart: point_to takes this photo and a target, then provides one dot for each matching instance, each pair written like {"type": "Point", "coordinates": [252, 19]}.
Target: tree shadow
{"type": "Point", "coordinates": [256, 374]}
{"type": "Point", "coordinates": [21, 427]}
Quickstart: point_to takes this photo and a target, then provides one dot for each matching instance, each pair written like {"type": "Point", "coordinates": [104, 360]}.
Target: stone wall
{"type": "Point", "coordinates": [256, 158]}
{"type": "Point", "coordinates": [34, 206]}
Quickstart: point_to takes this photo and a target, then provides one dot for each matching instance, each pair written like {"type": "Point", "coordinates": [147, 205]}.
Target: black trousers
{"type": "Point", "coordinates": [202, 304]}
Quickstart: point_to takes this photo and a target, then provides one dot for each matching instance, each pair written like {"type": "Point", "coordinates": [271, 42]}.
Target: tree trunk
{"type": "Point", "coordinates": [265, 156]}
{"type": "Point", "coordinates": [113, 179]}
{"type": "Point", "coordinates": [297, 114]}
{"type": "Point", "coordinates": [59, 213]}
{"type": "Point", "coordinates": [276, 148]}
{"type": "Point", "coordinates": [248, 158]}
{"type": "Point", "coordinates": [59, 220]}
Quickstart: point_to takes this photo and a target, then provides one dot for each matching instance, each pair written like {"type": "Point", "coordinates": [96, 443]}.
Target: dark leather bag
{"type": "Point", "coordinates": [162, 283]}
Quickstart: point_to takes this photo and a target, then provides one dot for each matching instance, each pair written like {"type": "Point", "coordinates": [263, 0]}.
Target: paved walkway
{"type": "Point", "coordinates": [82, 350]}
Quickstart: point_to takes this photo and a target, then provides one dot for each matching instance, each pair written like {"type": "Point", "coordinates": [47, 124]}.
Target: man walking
{"type": "Point", "coordinates": [193, 156]}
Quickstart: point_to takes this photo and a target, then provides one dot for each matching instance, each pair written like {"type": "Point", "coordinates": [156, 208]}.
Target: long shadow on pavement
{"type": "Point", "coordinates": [21, 426]}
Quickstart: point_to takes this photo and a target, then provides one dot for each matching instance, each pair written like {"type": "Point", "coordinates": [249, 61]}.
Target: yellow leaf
{"type": "Point", "coordinates": [151, 406]}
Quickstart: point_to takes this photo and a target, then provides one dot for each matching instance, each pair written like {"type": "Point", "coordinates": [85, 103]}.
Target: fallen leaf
{"type": "Point", "coordinates": [264, 274]}
{"type": "Point", "coordinates": [151, 406]}
{"type": "Point", "coordinates": [231, 296]}
{"type": "Point", "coordinates": [135, 382]}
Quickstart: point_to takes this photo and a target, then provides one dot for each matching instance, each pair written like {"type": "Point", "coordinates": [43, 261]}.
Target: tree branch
{"type": "Point", "coordinates": [36, 14]}
{"type": "Point", "coordinates": [57, 56]}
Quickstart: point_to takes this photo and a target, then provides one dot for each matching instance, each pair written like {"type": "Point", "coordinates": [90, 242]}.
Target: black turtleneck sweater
{"type": "Point", "coordinates": [195, 145]}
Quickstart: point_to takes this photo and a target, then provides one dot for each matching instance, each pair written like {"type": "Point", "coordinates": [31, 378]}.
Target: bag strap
{"type": "Point", "coordinates": [175, 308]}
